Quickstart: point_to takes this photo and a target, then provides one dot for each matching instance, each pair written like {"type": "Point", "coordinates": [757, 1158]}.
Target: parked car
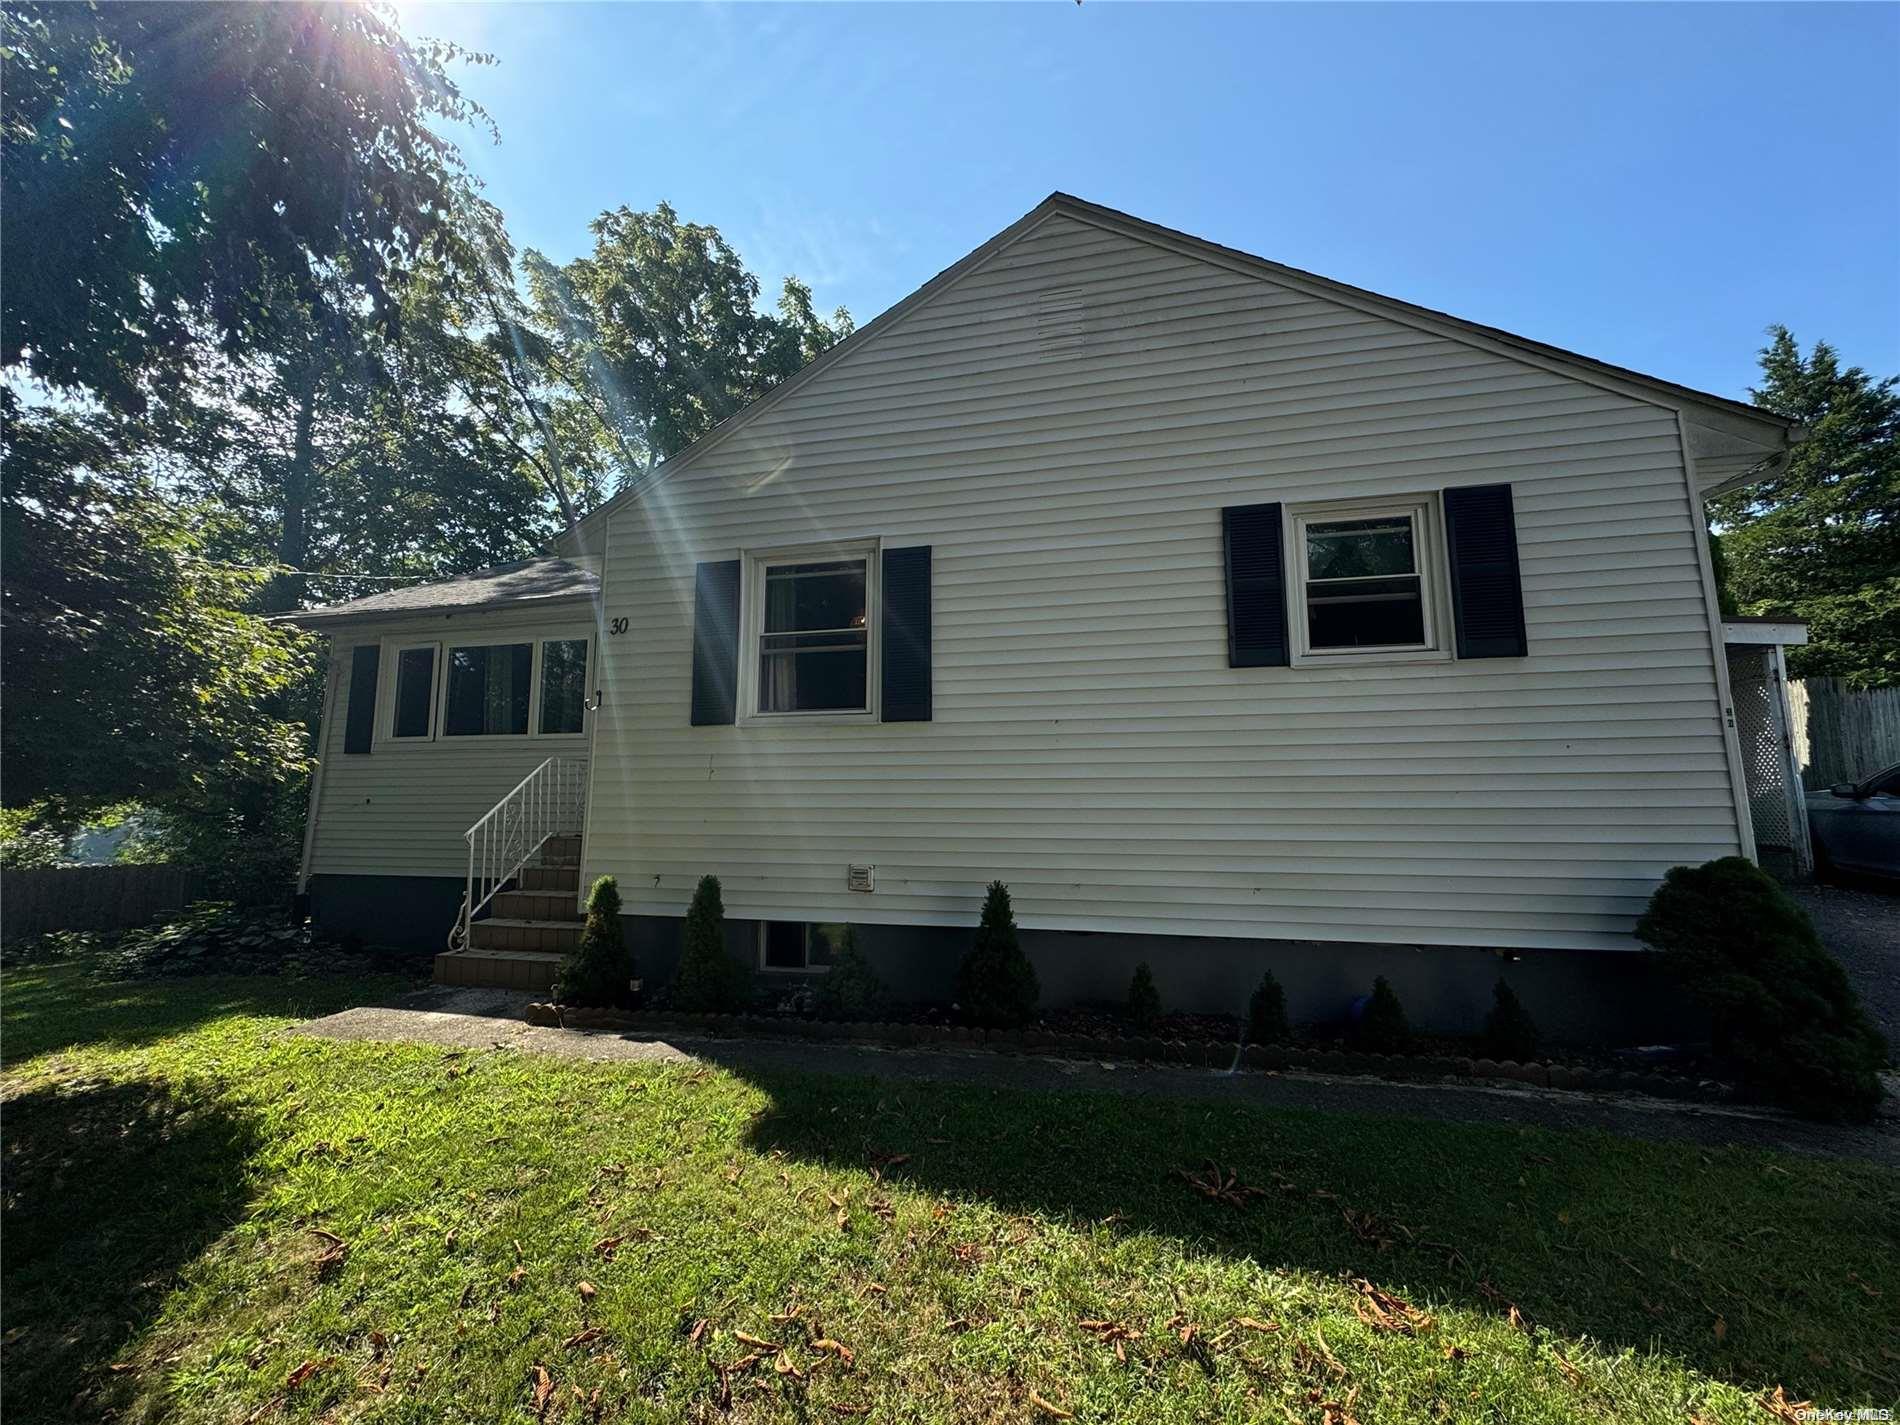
{"type": "Point", "coordinates": [1856, 825]}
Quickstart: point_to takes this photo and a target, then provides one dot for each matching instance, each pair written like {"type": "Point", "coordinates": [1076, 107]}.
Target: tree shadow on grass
{"type": "Point", "coordinates": [1747, 1268]}
{"type": "Point", "coordinates": [68, 1005]}
{"type": "Point", "coordinates": [109, 1190]}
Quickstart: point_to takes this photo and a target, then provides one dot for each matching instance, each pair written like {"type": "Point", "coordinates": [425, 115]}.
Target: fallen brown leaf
{"type": "Point", "coordinates": [1250, 1324]}
{"type": "Point", "coordinates": [1218, 1185]}
{"type": "Point", "coordinates": [303, 1372]}
{"type": "Point", "coordinates": [588, 1291]}
{"type": "Point", "coordinates": [581, 1338]}
{"type": "Point", "coordinates": [750, 1340]}
{"type": "Point", "coordinates": [607, 1246]}
{"type": "Point", "coordinates": [1784, 1409]}
{"type": "Point", "coordinates": [837, 1348]}
{"type": "Point", "coordinates": [543, 1391]}
{"type": "Point", "coordinates": [1385, 1312]}
{"type": "Point", "coordinates": [1050, 1408]}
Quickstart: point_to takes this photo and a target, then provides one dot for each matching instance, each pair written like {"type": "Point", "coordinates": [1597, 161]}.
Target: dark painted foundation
{"type": "Point", "coordinates": [1575, 996]}
{"type": "Point", "coordinates": [401, 912]}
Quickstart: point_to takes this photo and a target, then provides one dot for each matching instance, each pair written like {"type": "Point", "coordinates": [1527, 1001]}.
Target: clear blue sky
{"type": "Point", "coordinates": [1651, 185]}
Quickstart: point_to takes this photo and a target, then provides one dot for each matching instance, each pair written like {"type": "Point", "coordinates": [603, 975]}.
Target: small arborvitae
{"type": "Point", "coordinates": [1266, 1013]}
{"type": "Point", "coordinates": [996, 984]}
{"type": "Point", "coordinates": [1382, 1028]}
{"type": "Point", "coordinates": [1144, 1000]}
{"type": "Point", "coordinates": [598, 972]}
{"type": "Point", "coordinates": [709, 980]}
{"type": "Point", "coordinates": [850, 989]}
{"type": "Point", "coordinates": [1509, 1030]}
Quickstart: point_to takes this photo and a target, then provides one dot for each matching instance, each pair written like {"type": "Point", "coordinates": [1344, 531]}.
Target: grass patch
{"type": "Point", "coordinates": [209, 1220]}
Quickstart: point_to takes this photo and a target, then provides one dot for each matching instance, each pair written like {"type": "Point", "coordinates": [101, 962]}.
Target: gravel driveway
{"type": "Point", "coordinates": [1862, 928]}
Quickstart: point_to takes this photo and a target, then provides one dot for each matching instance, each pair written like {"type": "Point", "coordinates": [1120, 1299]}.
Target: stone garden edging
{"type": "Point", "coordinates": [1216, 1054]}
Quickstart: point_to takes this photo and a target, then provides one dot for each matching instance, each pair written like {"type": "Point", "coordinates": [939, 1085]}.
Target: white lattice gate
{"type": "Point", "coordinates": [1758, 683]}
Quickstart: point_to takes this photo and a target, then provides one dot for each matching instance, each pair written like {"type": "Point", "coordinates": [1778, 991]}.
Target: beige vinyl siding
{"type": "Point", "coordinates": [401, 810]}
{"type": "Point", "coordinates": [1063, 426]}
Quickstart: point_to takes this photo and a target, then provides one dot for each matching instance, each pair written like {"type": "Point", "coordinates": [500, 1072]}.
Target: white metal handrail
{"type": "Point", "coordinates": [549, 801]}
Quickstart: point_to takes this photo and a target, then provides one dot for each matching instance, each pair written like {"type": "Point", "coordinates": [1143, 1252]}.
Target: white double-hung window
{"type": "Point", "coordinates": [1364, 577]}
{"type": "Point", "coordinates": [809, 634]}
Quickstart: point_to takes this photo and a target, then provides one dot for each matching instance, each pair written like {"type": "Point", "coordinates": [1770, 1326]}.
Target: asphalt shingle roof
{"type": "Point", "coordinates": [500, 585]}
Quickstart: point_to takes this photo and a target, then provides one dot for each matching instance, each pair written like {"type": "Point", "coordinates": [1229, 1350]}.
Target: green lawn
{"type": "Point", "coordinates": [208, 1220]}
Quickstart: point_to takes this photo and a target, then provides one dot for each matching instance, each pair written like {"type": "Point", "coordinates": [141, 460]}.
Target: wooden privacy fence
{"type": "Point", "coordinates": [90, 897]}
{"type": "Point", "coordinates": [1842, 734]}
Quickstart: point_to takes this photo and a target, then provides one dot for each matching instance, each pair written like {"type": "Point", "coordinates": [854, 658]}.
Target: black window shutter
{"type": "Point", "coordinates": [1256, 586]}
{"type": "Point", "coordinates": [906, 680]}
{"type": "Point", "coordinates": [359, 725]}
{"type": "Point", "coordinates": [715, 643]}
{"type": "Point", "coordinates": [1487, 597]}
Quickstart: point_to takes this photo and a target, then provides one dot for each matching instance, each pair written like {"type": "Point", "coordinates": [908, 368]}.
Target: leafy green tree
{"type": "Point", "coordinates": [655, 337]}
{"type": "Point", "coordinates": [173, 170]}
{"type": "Point", "coordinates": [1819, 539]}
{"type": "Point", "coordinates": [996, 984]}
{"type": "Point", "coordinates": [132, 671]}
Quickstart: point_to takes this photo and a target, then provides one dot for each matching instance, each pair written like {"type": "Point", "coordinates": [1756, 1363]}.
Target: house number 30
{"type": "Point", "coordinates": [618, 625]}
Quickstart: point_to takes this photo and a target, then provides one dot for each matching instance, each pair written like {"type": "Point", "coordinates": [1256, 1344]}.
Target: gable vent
{"type": "Point", "coordinates": [1061, 322]}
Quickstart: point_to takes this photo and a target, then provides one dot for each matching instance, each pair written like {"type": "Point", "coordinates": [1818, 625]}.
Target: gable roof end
{"type": "Point", "coordinates": [1730, 441]}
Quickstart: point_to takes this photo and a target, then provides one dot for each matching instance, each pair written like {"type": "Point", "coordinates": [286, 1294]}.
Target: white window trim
{"type": "Point", "coordinates": [1434, 583]}
{"type": "Point", "coordinates": [391, 658]}
{"type": "Point", "coordinates": [541, 642]}
{"type": "Point", "coordinates": [393, 647]}
{"type": "Point", "coordinates": [753, 564]}
{"type": "Point", "coordinates": [807, 968]}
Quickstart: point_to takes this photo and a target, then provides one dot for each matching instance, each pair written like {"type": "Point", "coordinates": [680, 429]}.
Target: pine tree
{"type": "Point", "coordinates": [1266, 1013]}
{"type": "Point", "coordinates": [850, 989]}
{"type": "Point", "coordinates": [1817, 539]}
{"type": "Point", "coordinates": [1144, 1000]}
{"type": "Point", "coordinates": [1783, 1014]}
{"type": "Point", "coordinates": [709, 980]}
{"type": "Point", "coordinates": [996, 984]}
{"type": "Point", "coordinates": [1383, 1029]}
{"type": "Point", "coordinates": [597, 972]}
{"type": "Point", "coordinates": [1509, 1030]}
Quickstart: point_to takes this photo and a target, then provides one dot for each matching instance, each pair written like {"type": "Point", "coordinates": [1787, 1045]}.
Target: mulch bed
{"type": "Point", "coordinates": [1209, 1041]}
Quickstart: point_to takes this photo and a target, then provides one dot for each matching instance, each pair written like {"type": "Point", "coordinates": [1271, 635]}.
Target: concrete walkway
{"type": "Point", "coordinates": [491, 1019]}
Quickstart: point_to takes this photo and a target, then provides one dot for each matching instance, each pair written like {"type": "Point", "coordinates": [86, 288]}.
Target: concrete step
{"type": "Point", "coordinates": [498, 969]}
{"type": "Point", "coordinates": [535, 905]}
{"type": "Point", "coordinates": [506, 933]}
{"type": "Point", "coordinates": [543, 879]}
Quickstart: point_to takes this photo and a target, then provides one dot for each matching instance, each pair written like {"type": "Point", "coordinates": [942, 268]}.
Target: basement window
{"type": "Point", "coordinates": [797, 947]}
